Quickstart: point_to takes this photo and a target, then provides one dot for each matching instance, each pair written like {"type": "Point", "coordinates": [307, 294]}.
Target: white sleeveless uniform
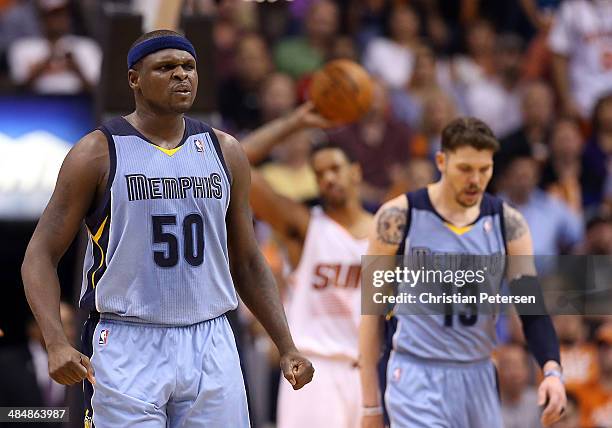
{"type": "Point", "coordinates": [323, 312]}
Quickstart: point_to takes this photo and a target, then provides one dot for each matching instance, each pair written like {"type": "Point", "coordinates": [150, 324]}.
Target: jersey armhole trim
{"type": "Point", "coordinates": [215, 141]}
{"type": "Point", "coordinates": [401, 248]}
{"type": "Point", "coordinates": [98, 213]}
{"type": "Point", "coordinates": [502, 225]}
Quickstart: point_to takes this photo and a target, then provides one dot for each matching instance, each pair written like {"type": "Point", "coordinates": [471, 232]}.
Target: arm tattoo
{"type": "Point", "coordinates": [515, 224]}
{"type": "Point", "coordinates": [391, 225]}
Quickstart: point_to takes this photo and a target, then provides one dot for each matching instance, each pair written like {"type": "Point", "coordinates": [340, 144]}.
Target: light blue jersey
{"type": "Point", "coordinates": [439, 372]}
{"type": "Point", "coordinates": [157, 251]}
{"type": "Point", "coordinates": [156, 279]}
{"type": "Point", "coordinates": [462, 336]}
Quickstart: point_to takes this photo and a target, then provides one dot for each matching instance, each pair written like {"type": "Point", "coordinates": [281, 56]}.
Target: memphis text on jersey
{"type": "Point", "coordinates": [141, 187]}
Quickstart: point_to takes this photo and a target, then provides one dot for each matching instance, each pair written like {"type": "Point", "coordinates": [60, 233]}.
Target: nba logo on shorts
{"type": "Point", "coordinates": [199, 146]}
{"type": "Point", "coordinates": [103, 337]}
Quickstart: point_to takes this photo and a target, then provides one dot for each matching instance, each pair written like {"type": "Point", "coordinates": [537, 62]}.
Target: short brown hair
{"type": "Point", "coordinates": [468, 131]}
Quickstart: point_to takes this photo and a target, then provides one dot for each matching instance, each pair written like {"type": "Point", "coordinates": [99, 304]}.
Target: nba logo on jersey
{"type": "Point", "coordinates": [103, 337]}
{"type": "Point", "coordinates": [397, 374]}
{"type": "Point", "coordinates": [199, 146]}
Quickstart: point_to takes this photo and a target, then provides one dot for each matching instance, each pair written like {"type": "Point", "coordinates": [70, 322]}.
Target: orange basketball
{"type": "Point", "coordinates": [341, 91]}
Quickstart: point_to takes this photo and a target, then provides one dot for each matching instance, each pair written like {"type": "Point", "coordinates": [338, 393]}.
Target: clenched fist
{"type": "Point", "coordinates": [296, 369]}
{"type": "Point", "coordinates": [68, 366]}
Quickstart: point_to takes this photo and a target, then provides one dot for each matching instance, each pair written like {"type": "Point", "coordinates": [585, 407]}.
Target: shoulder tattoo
{"type": "Point", "coordinates": [515, 223]}
{"type": "Point", "coordinates": [391, 225]}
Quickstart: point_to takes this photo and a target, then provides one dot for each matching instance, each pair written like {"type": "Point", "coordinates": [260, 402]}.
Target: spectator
{"type": "Point", "coordinates": [299, 56]}
{"type": "Point", "coordinates": [225, 39]}
{"type": "Point", "coordinates": [232, 20]}
{"type": "Point", "coordinates": [479, 61]}
{"type": "Point", "coordinates": [438, 29]}
{"type": "Point", "coordinates": [595, 399]}
{"type": "Point", "coordinates": [531, 138]}
{"type": "Point", "coordinates": [277, 97]}
{"type": "Point", "coordinates": [582, 61]}
{"type": "Point", "coordinates": [496, 99]}
{"type": "Point", "coordinates": [59, 62]}
{"type": "Point", "coordinates": [540, 12]}
{"type": "Point", "coordinates": [562, 173]}
{"type": "Point", "coordinates": [24, 369]}
{"type": "Point", "coordinates": [598, 239]}
{"type": "Point", "coordinates": [555, 229]}
{"type": "Point", "coordinates": [597, 242]}
{"type": "Point", "coordinates": [344, 48]}
{"type": "Point", "coordinates": [578, 357]}
{"type": "Point", "coordinates": [408, 101]}
{"type": "Point", "coordinates": [18, 19]}
{"type": "Point", "coordinates": [238, 96]}
{"type": "Point", "coordinates": [417, 173]}
{"type": "Point", "coordinates": [290, 174]}
{"type": "Point", "coordinates": [438, 110]}
{"type": "Point", "coordinates": [366, 20]}
{"type": "Point", "coordinates": [379, 143]}
{"type": "Point", "coordinates": [391, 58]}
{"type": "Point", "coordinates": [597, 158]}
{"type": "Point", "coordinates": [538, 56]}
{"type": "Point", "coordinates": [519, 400]}
{"type": "Point", "coordinates": [504, 15]}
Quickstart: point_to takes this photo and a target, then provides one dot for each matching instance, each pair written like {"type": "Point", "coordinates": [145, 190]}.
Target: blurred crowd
{"type": "Point", "coordinates": [539, 72]}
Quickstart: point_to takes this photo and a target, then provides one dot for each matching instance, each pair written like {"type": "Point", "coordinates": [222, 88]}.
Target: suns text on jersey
{"type": "Point", "coordinates": [336, 275]}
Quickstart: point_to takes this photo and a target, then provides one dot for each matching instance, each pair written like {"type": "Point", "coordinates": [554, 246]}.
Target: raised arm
{"type": "Point", "coordinates": [537, 328]}
{"type": "Point", "coordinates": [258, 144]}
{"type": "Point", "coordinates": [83, 172]}
{"type": "Point", "coordinates": [384, 240]}
{"type": "Point", "coordinates": [253, 279]}
{"type": "Point", "coordinates": [288, 218]}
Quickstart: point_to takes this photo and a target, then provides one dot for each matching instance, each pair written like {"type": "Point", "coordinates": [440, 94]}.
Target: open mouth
{"type": "Point", "coordinates": [184, 90]}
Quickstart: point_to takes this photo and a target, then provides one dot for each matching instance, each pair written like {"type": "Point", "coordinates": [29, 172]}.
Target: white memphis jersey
{"type": "Point", "coordinates": [582, 31]}
{"type": "Point", "coordinates": [324, 305]}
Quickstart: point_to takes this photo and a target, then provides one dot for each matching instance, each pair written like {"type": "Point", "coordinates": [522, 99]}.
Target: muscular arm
{"type": "Point", "coordinates": [518, 244]}
{"type": "Point", "coordinates": [83, 172]}
{"type": "Point", "coordinates": [538, 329]}
{"type": "Point", "coordinates": [253, 279]}
{"type": "Point", "coordinates": [287, 217]}
{"type": "Point", "coordinates": [384, 240]}
{"type": "Point", "coordinates": [258, 144]}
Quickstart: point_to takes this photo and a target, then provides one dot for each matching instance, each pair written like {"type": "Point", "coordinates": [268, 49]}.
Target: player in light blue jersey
{"type": "Point", "coordinates": [165, 199]}
{"type": "Point", "coordinates": [439, 372]}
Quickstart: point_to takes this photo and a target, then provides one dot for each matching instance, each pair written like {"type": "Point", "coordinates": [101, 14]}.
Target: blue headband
{"type": "Point", "coordinates": [155, 44]}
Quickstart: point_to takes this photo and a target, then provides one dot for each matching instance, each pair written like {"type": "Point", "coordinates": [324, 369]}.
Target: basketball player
{"type": "Point", "coordinates": [440, 373]}
{"type": "Point", "coordinates": [165, 200]}
{"type": "Point", "coordinates": [325, 245]}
